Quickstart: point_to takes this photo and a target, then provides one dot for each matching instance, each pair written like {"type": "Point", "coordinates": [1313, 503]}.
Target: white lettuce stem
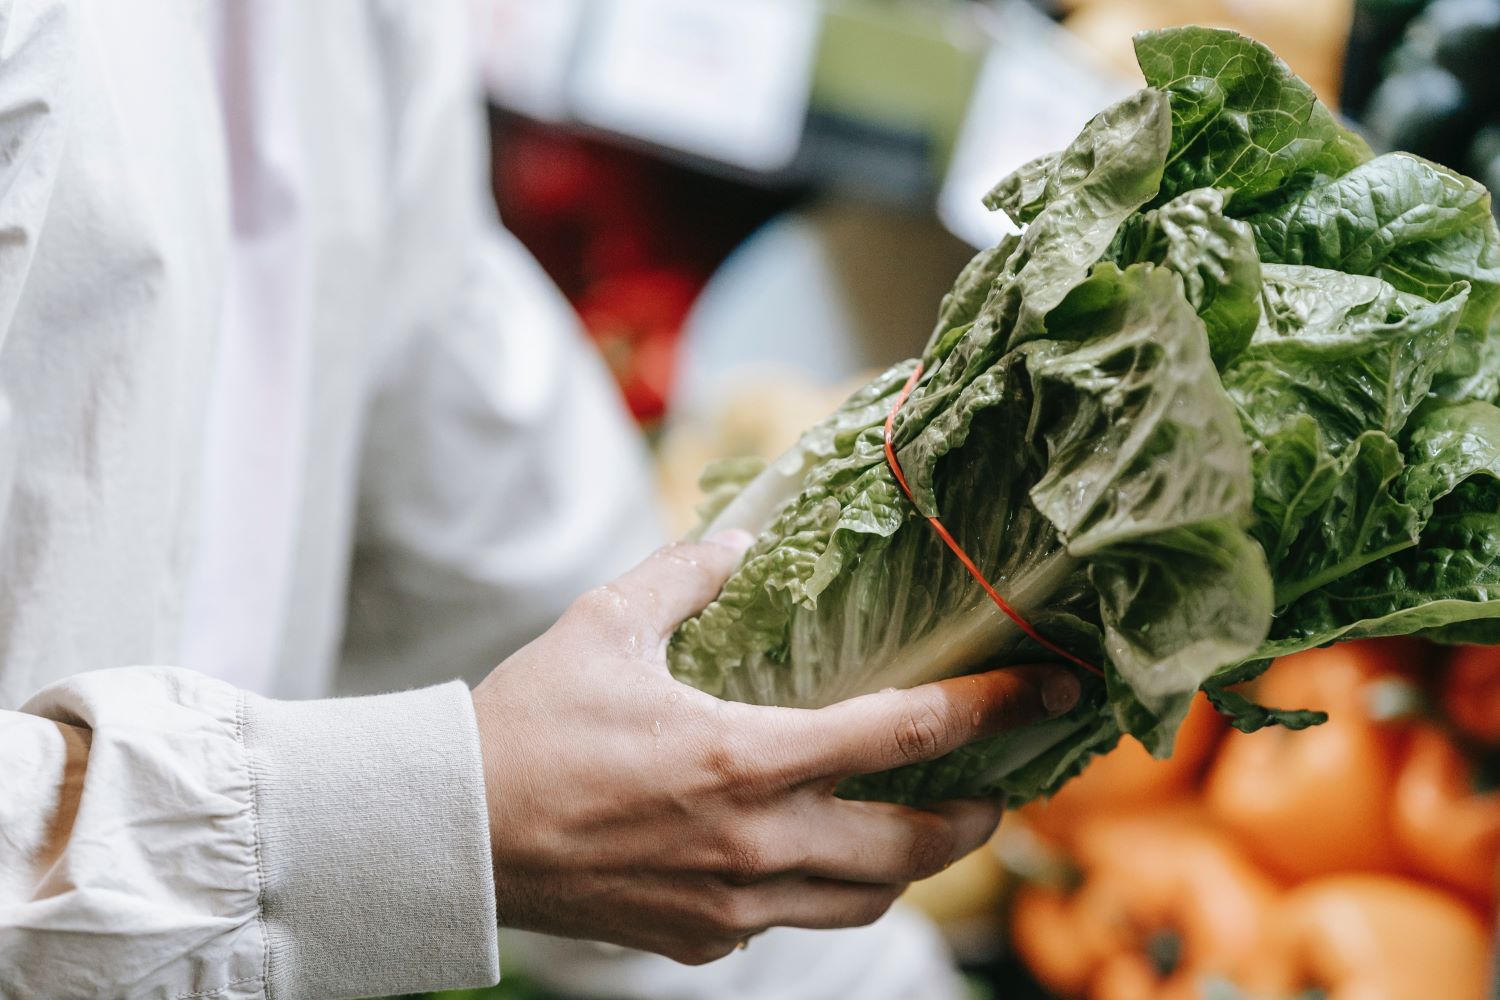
{"type": "Point", "coordinates": [968, 640]}
{"type": "Point", "coordinates": [960, 644]}
{"type": "Point", "coordinates": [756, 506]}
{"type": "Point", "coordinates": [1027, 744]}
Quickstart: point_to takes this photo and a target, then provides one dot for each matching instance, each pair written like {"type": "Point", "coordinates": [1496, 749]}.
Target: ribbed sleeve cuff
{"type": "Point", "coordinates": [373, 844]}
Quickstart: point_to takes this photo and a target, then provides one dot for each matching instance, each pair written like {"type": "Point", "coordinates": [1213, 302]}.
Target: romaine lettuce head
{"type": "Point", "coordinates": [1228, 394]}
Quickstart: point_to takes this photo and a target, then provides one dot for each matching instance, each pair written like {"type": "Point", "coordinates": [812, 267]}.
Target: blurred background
{"type": "Point", "coordinates": [754, 203]}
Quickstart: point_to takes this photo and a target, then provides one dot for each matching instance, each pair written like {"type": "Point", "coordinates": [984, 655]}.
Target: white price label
{"type": "Point", "coordinates": [525, 51]}
{"type": "Point", "coordinates": [1037, 89]}
{"type": "Point", "coordinates": [723, 79]}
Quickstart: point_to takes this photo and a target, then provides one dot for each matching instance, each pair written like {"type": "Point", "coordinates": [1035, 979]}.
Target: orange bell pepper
{"type": "Point", "coordinates": [1446, 830]}
{"type": "Point", "coordinates": [1315, 801]}
{"type": "Point", "coordinates": [1377, 937]}
{"type": "Point", "coordinates": [1044, 934]}
{"type": "Point", "coordinates": [1163, 902]}
{"type": "Point", "coordinates": [1470, 693]}
{"type": "Point", "coordinates": [1129, 777]}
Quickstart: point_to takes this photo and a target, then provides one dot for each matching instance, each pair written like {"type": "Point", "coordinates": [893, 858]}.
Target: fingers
{"type": "Point", "coordinates": [877, 732]}
{"type": "Point", "coordinates": [882, 843]}
{"type": "Point", "coordinates": [672, 584]}
{"type": "Point", "coordinates": [818, 903]}
{"type": "Point", "coordinates": [860, 857]}
{"type": "Point", "coordinates": [896, 845]}
{"type": "Point", "coordinates": [870, 842]}
{"type": "Point", "coordinates": [738, 913]}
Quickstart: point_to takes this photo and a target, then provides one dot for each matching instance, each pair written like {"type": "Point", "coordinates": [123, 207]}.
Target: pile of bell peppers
{"type": "Point", "coordinates": [1354, 860]}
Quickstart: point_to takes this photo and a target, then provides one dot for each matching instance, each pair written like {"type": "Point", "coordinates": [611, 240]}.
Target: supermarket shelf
{"type": "Point", "coordinates": [873, 92]}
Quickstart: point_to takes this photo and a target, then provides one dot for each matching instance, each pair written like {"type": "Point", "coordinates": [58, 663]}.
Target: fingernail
{"type": "Point", "coordinates": [736, 539]}
{"type": "Point", "coordinates": [1060, 693]}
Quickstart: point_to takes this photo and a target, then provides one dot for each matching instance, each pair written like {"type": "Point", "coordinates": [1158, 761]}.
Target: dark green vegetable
{"type": "Point", "coordinates": [1377, 28]}
{"type": "Point", "coordinates": [1241, 120]}
{"type": "Point", "coordinates": [1462, 37]}
{"type": "Point", "coordinates": [1216, 257]}
{"type": "Point", "coordinates": [1228, 395]}
{"type": "Point", "coordinates": [1484, 157]}
{"type": "Point", "coordinates": [1441, 84]}
{"type": "Point", "coordinates": [1421, 228]}
{"type": "Point", "coordinates": [1424, 108]}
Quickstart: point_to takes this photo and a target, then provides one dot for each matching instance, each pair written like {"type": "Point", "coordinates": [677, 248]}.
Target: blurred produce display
{"type": "Point", "coordinates": [631, 240]}
{"type": "Point", "coordinates": [760, 417]}
{"type": "Point", "coordinates": [1158, 903]}
{"type": "Point", "coordinates": [1309, 34]}
{"type": "Point", "coordinates": [512, 987]}
{"type": "Point", "coordinates": [1423, 77]}
{"type": "Point", "coordinates": [1354, 859]}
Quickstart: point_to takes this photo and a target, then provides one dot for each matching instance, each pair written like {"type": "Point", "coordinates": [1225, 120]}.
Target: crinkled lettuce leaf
{"type": "Point", "coordinates": [1227, 395]}
{"type": "Point", "coordinates": [1349, 352]}
{"type": "Point", "coordinates": [1241, 120]}
{"type": "Point", "coordinates": [1446, 584]}
{"type": "Point", "coordinates": [1326, 386]}
{"type": "Point", "coordinates": [1126, 396]}
{"type": "Point", "coordinates": [1216, 256]}
{"type": "Point", "coordinates": [1422, 228]}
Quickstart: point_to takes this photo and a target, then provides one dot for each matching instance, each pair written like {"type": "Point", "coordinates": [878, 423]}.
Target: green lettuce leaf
{"type": "Point", "coordinates": [1352, 353]}
{"type": "Point", "coordinates": [1241, 120]}
{"type": "Point", "coordinates": [961, 306]}
{"type": "Point", "coordinates": [1325, 515]}
{"type": "Point", "coordinates": [723, 480]}
{"type": "Point", "coordinates": [1336, 368]}
{"type": "Point", "coordinates": [1216, 256]}
{"type": "Point", "coordinates": [1108, 173]}
{"type": "Point", "coordinates": [1248, 717]}
{"type": "Point", "coordinates": [1226, 396]}
{"type": "Point", "coordinates": [1448, 583]}
{"type": "Point", "coordinates": [1422, 228]}
{"type": "Point", "coordinates": [1129, 574]}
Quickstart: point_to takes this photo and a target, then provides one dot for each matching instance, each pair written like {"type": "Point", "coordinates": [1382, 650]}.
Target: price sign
{"type": "Point", "coordinates": [525, 51]}
{"type": "Point", "coordinates": [723, 79]}
{"type": "Point", "coordinates": [1037, 89]}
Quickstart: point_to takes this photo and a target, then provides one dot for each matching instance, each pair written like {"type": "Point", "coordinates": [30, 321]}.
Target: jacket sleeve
{"type": "Point", "coordinates": [501, 475]}
{"type": "Point", "coordinates": [166, 835]}
{"type": "Point", "coordinates": [501, 478]}
{"type": "Point", "coordinates": [34, 43]}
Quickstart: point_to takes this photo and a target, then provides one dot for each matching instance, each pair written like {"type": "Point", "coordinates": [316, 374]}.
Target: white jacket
{"type": "Point", "coordinates": [162, 833]}
{"type": "Point", "coordinates": [280, 402]}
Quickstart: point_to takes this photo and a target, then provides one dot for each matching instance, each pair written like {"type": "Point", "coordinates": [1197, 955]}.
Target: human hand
{"type": "Point", "coordinates": [628, 807]}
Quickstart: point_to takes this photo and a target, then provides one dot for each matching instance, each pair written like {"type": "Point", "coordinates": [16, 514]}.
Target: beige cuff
{"type": "Point", "coordinates": [373, 842]}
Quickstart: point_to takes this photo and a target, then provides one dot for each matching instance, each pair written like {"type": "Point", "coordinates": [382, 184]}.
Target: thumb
{"type": "Point", "coordinates": [888, 729]}
{"type": "Point", "coordinates": [678, 581]}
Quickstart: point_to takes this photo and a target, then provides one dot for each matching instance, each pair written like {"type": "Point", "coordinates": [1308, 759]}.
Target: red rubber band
{"type": "Point", "coordinates": [952, 543]}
